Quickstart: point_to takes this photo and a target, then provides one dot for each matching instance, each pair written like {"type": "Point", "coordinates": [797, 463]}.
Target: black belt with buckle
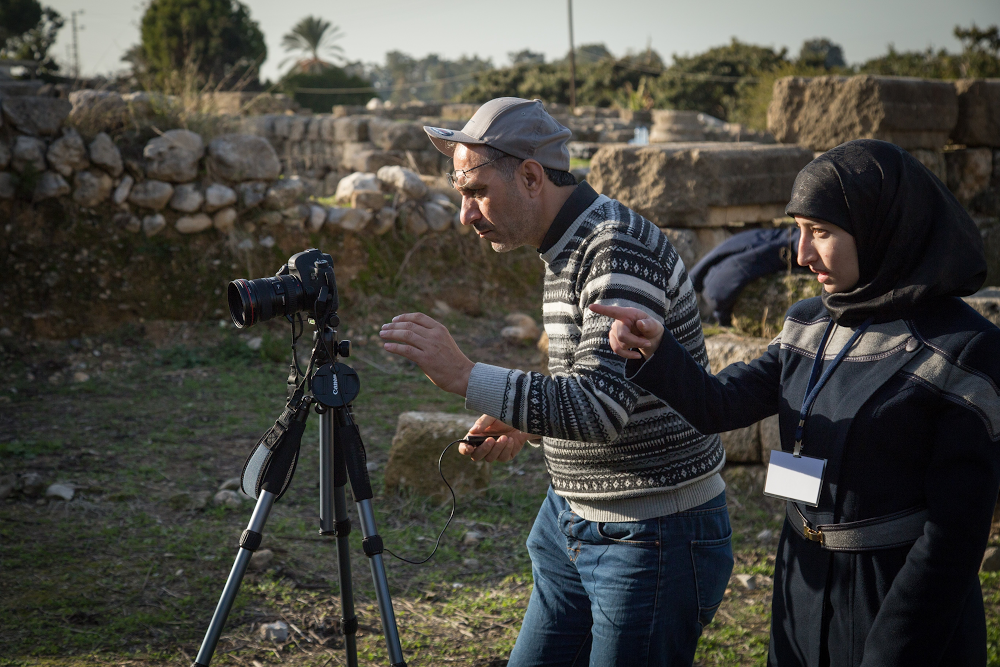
{"type": "Point", "coordinates": [883, 532]}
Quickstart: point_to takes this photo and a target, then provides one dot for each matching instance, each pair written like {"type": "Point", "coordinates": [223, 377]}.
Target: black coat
{"type": "Point", "coordinates": [910, 418]}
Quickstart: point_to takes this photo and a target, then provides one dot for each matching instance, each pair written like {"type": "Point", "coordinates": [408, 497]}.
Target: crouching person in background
{"type": "Point", "coordinates": [631, 551]}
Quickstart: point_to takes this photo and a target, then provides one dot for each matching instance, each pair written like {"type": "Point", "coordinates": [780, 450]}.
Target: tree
{"type": "Point", "coordinates": [350, 87]}
{"type": "Point", "coordinates": [526, 57]}
{"type": "Point", "coordinates": [980, 57]}
{"type": "Point", "coordinates": [18, 17]}
{"type": "Point", "coordinates": [311, 37]}
{"type": "Point", "coordinates": [215, 40]}
{"type": "Point", "coordinates": [714, 81]}
{"type": "Point", "coordinates": [823, 53]}
{"type": "Point", "coordinates": [34, 42]}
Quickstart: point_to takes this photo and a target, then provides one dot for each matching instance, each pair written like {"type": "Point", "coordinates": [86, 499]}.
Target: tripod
{"type": "Point", "coordinates": [332, 386]}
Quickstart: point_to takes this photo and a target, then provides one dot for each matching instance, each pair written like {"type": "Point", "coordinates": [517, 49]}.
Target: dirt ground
{"type": "Point", "coordinates": [146, 423]}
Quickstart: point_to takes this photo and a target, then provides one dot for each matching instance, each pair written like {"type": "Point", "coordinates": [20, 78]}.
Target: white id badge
{"type": "Point", "coordinates": [795, 478]}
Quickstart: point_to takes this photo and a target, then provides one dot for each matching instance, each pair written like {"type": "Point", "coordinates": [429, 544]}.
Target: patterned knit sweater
{"type": "Point", "coordinates": [615, 452]}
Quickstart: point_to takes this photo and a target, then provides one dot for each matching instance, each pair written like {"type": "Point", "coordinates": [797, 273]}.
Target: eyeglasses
{"type": "Point", "coordinates": [456, 179]}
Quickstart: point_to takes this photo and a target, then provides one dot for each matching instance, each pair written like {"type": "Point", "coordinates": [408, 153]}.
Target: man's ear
{"type": "Point", "coordinates": [532, 176]}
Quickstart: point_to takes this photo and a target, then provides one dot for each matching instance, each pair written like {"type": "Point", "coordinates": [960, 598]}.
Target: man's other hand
{"type": "Point", "coordinates": [634, 334]}
{"type": "Point", "coordinates": [506, 442]}
{"type": "Point", "coordinates": [429, 345]}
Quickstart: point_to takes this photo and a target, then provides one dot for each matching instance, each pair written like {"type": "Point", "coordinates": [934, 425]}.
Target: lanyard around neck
{"type": "Point", "coordinates": [816, 381]}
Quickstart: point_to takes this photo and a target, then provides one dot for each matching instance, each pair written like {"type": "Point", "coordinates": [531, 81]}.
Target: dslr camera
{"type": "Point", "coordinates": [305, 283]}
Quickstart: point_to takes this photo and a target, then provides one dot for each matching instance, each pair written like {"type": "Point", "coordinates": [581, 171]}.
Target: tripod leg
{"type": "Point", "coordinates": [333, 521]}
{"type": "Point", "coordinates": [249, 542]}
{"type": "Point", "coordinates": [373, 549]}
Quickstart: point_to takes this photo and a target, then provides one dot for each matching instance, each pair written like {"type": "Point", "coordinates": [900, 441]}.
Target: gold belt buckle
{"type": "Point", "coordinates": [810, 534]}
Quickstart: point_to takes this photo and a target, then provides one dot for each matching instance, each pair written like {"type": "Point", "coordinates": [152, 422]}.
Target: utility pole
{"type": "Point", "coordinates": [76, 46]}
{"type": "Point", "coordinates": [572, 60]}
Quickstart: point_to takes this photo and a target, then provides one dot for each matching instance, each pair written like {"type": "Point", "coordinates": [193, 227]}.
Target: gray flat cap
{"type": "Point", "coordinates": [516, 126]}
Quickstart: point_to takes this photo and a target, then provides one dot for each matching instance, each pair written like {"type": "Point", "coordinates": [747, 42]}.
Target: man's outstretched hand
{"type": "Point", "coordinates": [634, 334]}
{"type": "Point", "coordinates": [505, 443]}
{"type": "Point", "coordinates": [429, 345]}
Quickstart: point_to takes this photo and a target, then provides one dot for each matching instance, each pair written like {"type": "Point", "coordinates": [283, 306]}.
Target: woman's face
{"type": "Point", "coordinates": [829, 252]}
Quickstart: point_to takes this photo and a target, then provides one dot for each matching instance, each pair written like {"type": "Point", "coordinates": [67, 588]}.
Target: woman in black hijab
{"type": "Point", "coordinates": [887, 390]}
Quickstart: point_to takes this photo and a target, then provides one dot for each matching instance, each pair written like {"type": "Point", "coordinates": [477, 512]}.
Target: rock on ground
{"type": "Point", "coordinates": [192, 224]}
{"type": "Point", "coordinates": [106, 155]}
{"type": "Point", "coordinates": [225, 220]}
{"type": "Point", "coordinates": [123, 190]}
{"type": "Point", "coordinates": [261, 559]}
{"type": "Point", "coordinates": [50, 185]}
{"type": "Point", "coordinates": [153, 224]}
{"type": "Point", "coordinates": [28, 153]}
{"type": "Point", "coordinates": [355, 219]}
{"type": "Point", "coordinates": [317, 216]}
{"type": "Point", "coordinates": [242, 157]}
{"type": "Point", "coordinates": [373, 200]}
{"type": "Point", "coordinates": [174, 156]}
{"type": "Point", "coordinates": [404, 181]}
{"type": "Point", "coordinates": [385, 220]}
{"type": "Point", "coordinates": [218, 196]}
{"type": "Point", "coordinates": [356, 181]}
{"type": "Point", "coordinates": [60, 491]}
{"type": "Point", "coordinates": [252, 193]}
{"type": "Point", "coordinates": [91, 187]}
{"type": "Point", "coordinates": [823, 112]}
{"type": "Point", "coordinates": [276, 632]}
{"type": "Point", "coordinates": [991, 560]}
{"type": "Point", "coordinates": [438, 218]}
{"type": "Point", "coordinates": [151, 194]}
{"type": "Point", "coordinates": [283, 193]}
{"type": "Point", "coordinates": [186, 198]}
{"type": "Point", "coordinates": [67, 153]}
{"type": "Point", "coordinates": [37, 116]}
{"type": "Point", "coordinates": [978, 113]}
{"type": "Point", "coordinates": [228, 498]}
{"type": "Point", "coordinates": [699, 185]}
{"type": "Point", "coordinates": [419, 439]}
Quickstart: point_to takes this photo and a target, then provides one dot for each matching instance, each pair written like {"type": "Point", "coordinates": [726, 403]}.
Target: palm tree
{"type": "Point", "coordinates": [311, 37]}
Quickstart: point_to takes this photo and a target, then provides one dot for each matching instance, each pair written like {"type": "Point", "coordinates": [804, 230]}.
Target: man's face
{"type": "Point", "coordinates": [500, 211]}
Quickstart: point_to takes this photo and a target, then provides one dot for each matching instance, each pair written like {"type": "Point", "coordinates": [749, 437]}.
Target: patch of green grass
{"type": "Point", "coordinates": [29, 449]}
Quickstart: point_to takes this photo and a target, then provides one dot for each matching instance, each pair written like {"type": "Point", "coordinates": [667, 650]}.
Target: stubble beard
{"type": "Point", "coordinates": [514, 224]}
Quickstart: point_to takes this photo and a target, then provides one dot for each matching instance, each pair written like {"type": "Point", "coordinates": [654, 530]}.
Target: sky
{"type": "Point", "coordinates": [864, 28]}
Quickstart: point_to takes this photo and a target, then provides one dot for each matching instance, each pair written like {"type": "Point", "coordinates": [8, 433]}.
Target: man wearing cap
{"type": "Point", "coordinates": [631, 550]}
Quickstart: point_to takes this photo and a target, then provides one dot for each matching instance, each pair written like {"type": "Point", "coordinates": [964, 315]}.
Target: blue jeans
{"type": "Point", "coordinates": [625, 593]}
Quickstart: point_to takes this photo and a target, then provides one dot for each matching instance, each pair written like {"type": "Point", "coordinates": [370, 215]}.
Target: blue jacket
{"type": "Point", "coordinates": [911, 418]}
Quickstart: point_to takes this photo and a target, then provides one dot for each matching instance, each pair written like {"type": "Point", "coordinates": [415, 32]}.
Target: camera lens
{"type": "Point", "coordinates": [253, 301]}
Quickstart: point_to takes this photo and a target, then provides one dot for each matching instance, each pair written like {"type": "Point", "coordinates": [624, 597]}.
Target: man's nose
{"type": "Point", "coordinates": [470, 211]}
{"type": "Point", "coordinates": [807, 253]}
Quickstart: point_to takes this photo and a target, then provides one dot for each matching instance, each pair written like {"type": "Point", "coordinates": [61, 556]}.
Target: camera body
{"type": "Point", "coordinates": [304, 282]}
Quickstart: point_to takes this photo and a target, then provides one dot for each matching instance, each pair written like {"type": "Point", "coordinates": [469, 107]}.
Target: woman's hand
{"type": "Point", "coordinates": [506, 442]}
{"type": "Point", "coordinates": [633, 330]}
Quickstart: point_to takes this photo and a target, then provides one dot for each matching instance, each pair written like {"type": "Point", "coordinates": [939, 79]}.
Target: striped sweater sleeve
{"type": "Point", "coordinates": [587, 399]}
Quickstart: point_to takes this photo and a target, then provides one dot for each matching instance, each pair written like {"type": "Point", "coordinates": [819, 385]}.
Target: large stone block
{"type": "Point", "coordinates": [92, 187]}
{"type": "Point", "coordinates": [37, 116]}
{"type": "Point", "coordinates": [242, 157]}
{"type": "Point", "coordinates": [742, 445]}
{"type": "Point", "coordinates": [968, 172]}
{"type": "Point", "coordinates": [174, 156]}
{"type": "Point", "coordinates": [823, 112]}
{"type": "Point", "coordinates": [67, 153]}
{"type": "Point", "coordinates": [351, 128]}
{"type": "Point", "coordinates": [699, 184]}
{"type": "Point", "coordinates": [419, 439]}
{"type": "Point", "coordinates": [978, 113]}
{"type": "Point", "coordinates": [393, 135]}
{"type": "Point", "coordinates": [151, 194]}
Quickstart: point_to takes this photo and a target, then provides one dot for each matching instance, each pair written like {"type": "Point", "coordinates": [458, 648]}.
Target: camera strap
{"type": "Point", "coordinates": [347, 441]}
{"type": "Point", "coordinates": [271, 464]}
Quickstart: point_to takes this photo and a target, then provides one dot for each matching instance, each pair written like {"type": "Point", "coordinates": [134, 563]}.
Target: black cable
{"type": "Point", "coordinates": [451, 516]}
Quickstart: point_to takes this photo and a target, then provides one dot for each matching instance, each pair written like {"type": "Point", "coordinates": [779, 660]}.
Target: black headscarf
{"type": "Point", "coordinates": [915, 242]}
